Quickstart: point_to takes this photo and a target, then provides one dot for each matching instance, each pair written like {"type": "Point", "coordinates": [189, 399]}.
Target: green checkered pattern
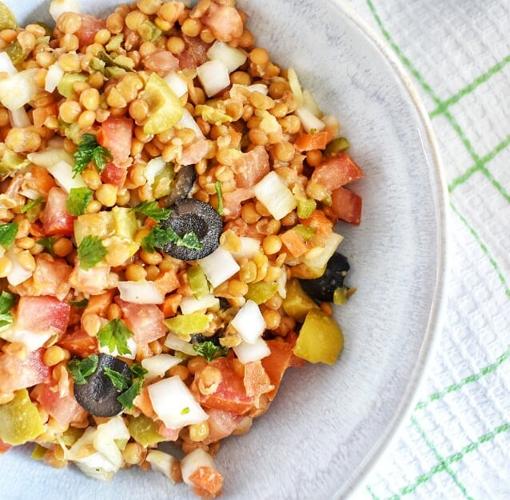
{"type": "Point", "coordinates": [457, 441]}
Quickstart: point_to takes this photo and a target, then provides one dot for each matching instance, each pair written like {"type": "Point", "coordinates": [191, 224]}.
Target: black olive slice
{"type": "Point", "coordinates": [195, 216]}
{"type": "Point", "coordinates": [98, 395]}
{"type": "Point", "coordinates": [183, 184]}
{"type": "Point", "coordinates": [322, 289]}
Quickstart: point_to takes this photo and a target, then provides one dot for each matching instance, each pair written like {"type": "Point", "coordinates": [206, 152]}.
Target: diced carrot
{"type": "Point", "coordinates": [294, 243]}
{"type": "Point", "coordinates": [207, 481]}
{"type": "Point", "coordinates": [143, 403]}
{"type": "Point", "coordinates": [309, 142]}
{"type": "Point", "coordinates": [171, 304]}
{"type": "Point", "coordinates": [98, 304]}
{"type": "Point", "coordinates": [321, 224]}
{"type": "Point", "coordinates": [43, 180]}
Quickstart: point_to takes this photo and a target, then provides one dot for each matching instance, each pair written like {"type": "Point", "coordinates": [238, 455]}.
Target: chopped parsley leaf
{"type": "Point", "coordinates": [117, 379]}
{"type": "Point", "coordinates": [161, 236]}
{"type": "Point", "coordinates": [78, 200]}
{"type": "Point", "coordinates": [90, 251]}
{"type": "Point", "coordinates": [8, 234]}
{"type": "Point", "coordinates": [90, 150]}
{"type": "Point", "coordinates": [79, 303]}
{"type": "Point", "coordinates": [152, 209]}
{"type": "Point", "coordinates": [127, 397]}
{"type": "Point", "coordinates": [81, 369]}
{"type": "Point", "coordinates": [209, 350]}
{"type": "Point", "coordinates": [32, 204]}
{"type": "Point", "coordinates": [47, 243]}
{"type": "Point", "coordinates": [114, 335]}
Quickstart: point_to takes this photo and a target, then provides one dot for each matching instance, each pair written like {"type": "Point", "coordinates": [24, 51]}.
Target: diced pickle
{"type": "Point", "coordinates": [15, 52]}
{"type": "Point", "coordinates": [197, 282]}
{"type": "Point", "coordinates": [38, 452]}
{"type": "Point", "coordinates": [320, 339]}
{"type": "Point", "coordinates": [144, 430]}
{"type": "Point", "coordinates": [297, 304]}
{"type": "Point", "coordinates": [337, 146]}
{"type": "Point", "coordinates": [261, 292]}
{"type": "Point", "coordinates": [20, 420]}
{"type": "Point", "coordinates": [305, 207]}
{"type": "Point", "coordinates": [7, 19]}
{"type": "Point", "coordinates": [66, 84]}
{"type": "Point", "coordinates": [11, 162]}
{"type": "Point", "coordinates": [149, 31]}
{"type": "Point", "coordinates": [72, 435]}
{"type": "Point", "coordinates": [187, 324]}
{"type": "Point", "coordinates": [212, 115]}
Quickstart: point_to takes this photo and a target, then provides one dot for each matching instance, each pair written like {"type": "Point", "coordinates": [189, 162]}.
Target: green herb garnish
{"type": "Point", "coordinates": [90, 150]}
{"type": "Point", "coordinates": [8, 234]}
{"type": "Point", "coordinates": [81, 369]}
{"type": "Point", "coordinates": [7, 300]}
{"type": "Point", "coordinates": [138, 370]}
{"type": "Point", "coordinates": [127, 397]}
{"type": "Point", "coordinates": [209, 350]}
{"type": "Point", "coordinates": [90, 251]}
{"type": "Point", "coordinates": [219, 193]}
{"type": "Point", "coordinates": [78, 200]}
{"type": "Point", "coordinates": [47, 243]}
{"type": "Point", "coordinates": [32, 204]}
{"type": "Point", "coordinates": [114, 335]}
{"type": "Point", "coordinates": [79, 303]}
{"type": "Point", "coordinates": [159, 237]}
{"type": "Point", "coordinates": [153, 210]}
{"type": "Point", "coordinates": [185, 411]}
{"type": "Point", "coordinates": [117, 379]}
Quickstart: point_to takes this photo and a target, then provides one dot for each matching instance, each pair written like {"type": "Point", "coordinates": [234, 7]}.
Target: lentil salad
{"type": "Point", "coordinates": [167, 243]}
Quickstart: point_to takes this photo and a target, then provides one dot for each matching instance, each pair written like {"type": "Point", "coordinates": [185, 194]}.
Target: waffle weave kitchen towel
{"type": "Point", "coordinates": [456, 444]}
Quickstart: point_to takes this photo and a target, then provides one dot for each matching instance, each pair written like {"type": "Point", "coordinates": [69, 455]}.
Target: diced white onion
{"type": "Point", "coordinates": [309, 120]}
{"type": "Point", "coordinates": [19, 118]}
{"type": "Point", "coordinates": [58, 7]}
{"type": "Point", "coordinates": [6, 65]}
{"type": "Point", "coordinates": [272, 192]}
{"type": "Point", "coordinates": [131, 344]}
{"type": "Point", "coordinates": [295, 86]}
{"type": "Point", "coordinates": [53, 77]}
{"type": "Point", "coordinates": [161, 462]}
{"type": "Point", "coordinates": [177, 84]}
{"type": "Point", "coordinates": [174, 403]}
{"type": "Point", "coordinates": [219, 266]}
{"type": "Point", "coordinates": [249, 322]}
{"type": "Point", "coordinates": [158, 365]}
{"type": "Point", "coordinates": [18, 89]}
{"type": "Point", "coordinates": [50, 157]}
{"type": "Point", "coordinates": [153, 169]}
{"type": "Point", "coordinates": [247, 353]}
{"type": "Point", "coordinates": [105, 440]}
{"type": "Point", "coordinates": [177, 344]}
{"type": "Point", "coordinates": [269, 123]}
{"type": "Point", "coordinates": [193, 461]}
{"type": "Point", "coordinates": [232, 58]}
{"type": "Point", "coordinates": [214, 77]}
{"type": "Point", "coordinates": [63, 174]}
{"type": "Point", "coordinates": [310, 104]}
{"type": "Point", "coordinates": [249, 248]}
{"type": "Point", "coordinates": [17, 274]}
{"type": "Point", "coordinates": [282, 283]}
{"type": "Point", "coordinates": [259, 87]}
{"type": "Point", "coordinates": [30, 339]}
{"type": "Point", "coordinates": [318, 257]}
{"type": "Point", "coordinates": [140, 292]}
{"type": "Point", "coordinates": [187, 121]}
{"type": "Point", "coordinates": [190, 305]}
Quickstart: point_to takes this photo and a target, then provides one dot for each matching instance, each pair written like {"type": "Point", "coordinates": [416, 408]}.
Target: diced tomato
{"type": "Point", "coordinates": [195, 152]}
{"type": "Point", "coordinates": [232, 202]}
{"type": "Point", "coordinates": [221, 424]}
{"type": "Point", "coordinates": [112, 174]}
{"type": "Point", "coordinates": [90, 25]}
{"type": "Point", "coordinates": [169, 434]}
{"type": "Point", "coordinates": [294, 243]}
{"type": "Point", "coordinates": [207, 482]}
{"type": "Point", "coordinates": [39, 115]}
{"type": "Point", "coordinates": [337, 171]}
{"type": "Point", "coordinates": [42, 314]}
{"type": "Point", "coordinates": [347, 205]}
{"type": "Point", "coordinates": [194, 54]}
{"type": "Point", "coordinates": [225, 22]}
{"type": "Point", "coordinates": [55, 218]}
{"type": "Point", "coordinates": [16, 373]}
{"type": "Point", "coordinates": [42, 179]}
{"type": "Point", "coordinates": [277, 363]}
{"type": "Point", "coordinates": [161, 61]}
{"type": "Point", "coordinates": [116, 136]}
{"type": "Point", "coordinates": [251, 167]}
{"type": "Point", "coordinates": [79, 343]}
{"type": "Point", "coordinates": [51, 277]}
{"type": "Point", "coordinates": [64, 409]}
{"type": "Point", "coordinates": [256, 380]}
{"type": "Point", "coordinates": [309, 142]}
{"type": "Point", "coordinates": [144, 320]}
{"type": "Point", "coordinates": [231, 394]}
{"type": "Point", "coordinates": [92, 281]}
{"type": "Point", "coordinates": [4, 447]}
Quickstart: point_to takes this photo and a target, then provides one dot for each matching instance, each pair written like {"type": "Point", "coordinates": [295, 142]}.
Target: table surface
{"type": "Point", "coordinates": [456, 444]}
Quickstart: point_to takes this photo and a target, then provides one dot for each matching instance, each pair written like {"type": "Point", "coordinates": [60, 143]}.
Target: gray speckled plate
{"type": "Point", "coordinates": [328, 425]}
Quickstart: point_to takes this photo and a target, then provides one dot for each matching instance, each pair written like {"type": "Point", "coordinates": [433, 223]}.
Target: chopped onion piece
{"type": "Point", "coordinates": [249, 248]}
{"type": "Point", "coordinates": [249, 322]}
{"type": "Point", "coordinates": [140, 292]}
{"type": "Point", "coordinates": [50, 157]}
{"type": "Point", "coordinates": [219, 266]}
{"type": "Point", "coordinates": [190, 305]}
{"type": "Point", "coordinates": [31, 340]}
{"type": "Point", "coordinates": [19, 118]}
{"type": "Point", "coordinates": [53, 77]}
{"type": "Point", "coordinates": [310, 104]}
{"type": "Point", "coordinates": [18, 274]}
{"type": "Point", "coordinates": [105, 440]}
{"type": "Point", "coordinates": [309, 120]}
{"type": "Point", "coordinates": [158, 365]}
{"type": "Point", "coordinates": [161, 462]}
{"type": "Point", "coordinates": [247, 353]}
{"type": "Point", "coordinates": [6, 65]}
{"type": "Point", "coordinates": [193, 461]}
{"type": "Point", "coordinates": [319, 257]}
{"type": "Point", "coordinates": [295, 86]}
{"type": "Point", "coordinates": [232, 58]}
{"type": "Point", "coordinates": [177, 344]}
{"type": "Point", "coordinates": [259, 87]}
{"type": "Point", "coordinates": [153, 169]}
{"type": "Point", "coordinates": [187, 121]}
{"type": "Point", "coordinates": [177, 84]}
{"type": "Point", "coordinates": [18, 89]}
{"type": "Point", "coordinates": [174, 403]}
{"type": "Point", "coordinates": [214, 77]}
{"type": "Point", "coordinates": [272, 192]}
{"type": "Point", "coordinates": [63, 174]}
{"type": "Point", "coordinates": [58, 7]}
{"type": "Point", "coordinates": [132, 346]}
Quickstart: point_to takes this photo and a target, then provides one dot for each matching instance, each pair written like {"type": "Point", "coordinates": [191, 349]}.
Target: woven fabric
{"type": "Point", "coordinates": [456, 443]}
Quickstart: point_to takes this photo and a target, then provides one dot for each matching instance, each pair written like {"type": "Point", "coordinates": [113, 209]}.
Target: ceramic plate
{"type": "Point", "coordinates": [328, 425]}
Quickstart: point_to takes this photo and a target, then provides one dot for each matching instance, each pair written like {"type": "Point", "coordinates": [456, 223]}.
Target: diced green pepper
{"type": "Point", "coordinates": [20, 421]}
{"type": "Point", "coordinates": [320, 339]}
{"type": "Point", "coordinates": [7, 19]}
{"type": "Point", "coordinates": [337, 146]}
{"type": "Point", "coordinates": [144, 431]}
{"type": "Point", "coordinates": [197, 281]}
{"type": "Point", "coordinates": [66, 84]}
{"type": "Point", "coordinates": [297, 303]}
{"type": "Point", "coordinates": [261, 292]}
{"type": "Point", "coordinates": [188, 324]}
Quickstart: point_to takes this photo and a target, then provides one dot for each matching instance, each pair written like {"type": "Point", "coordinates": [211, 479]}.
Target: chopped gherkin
{"type": "Point", "coordinates": [261, 291]}
{"type": "Point", "coordinates": [188, 324]}
{"type": "Point", "coordinates": [144, 431]}
{"type": "Point", "coordinates": [197, 281]}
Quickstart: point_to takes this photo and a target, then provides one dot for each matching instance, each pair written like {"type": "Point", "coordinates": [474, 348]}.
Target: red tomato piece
{"type": "Point", "coordinates": [112, 174]}
{"type": "Point", "coordinates": [55, 218]}
{"type": "Point", "coordinates": [51, 276]}
{"type": "Point", "coordinates": [337, 171]}
{"type": "Point", "coordinates": [64, 409]}
{"type": "Point", "coordinates": [347, 205]}
{"type": "Point", "coordinates": [161, 62]}
{"type": "Point", "coordinates": [309, 142]}
{"type": "Point", "coordinates": [322, 225]}
{"type": "Point", "coordinates": [207, 481]}
{"type": "Point", "coordinates": [225, 22]}
{"type": "Point", "coordinates": [193, 153]}
{"type": "Point", "coordinates": [42, 314]}
{"type": "Point", "coordinates": [194, 54]}
{"type": "Point", "coordinates": [79, 343]}
{"type": "Point", "coordinates": [90, 25]}
{"type": "Point", "coordinates": [42, 179]}
{"type": "Point", "coordinates": [144, 320]}
{"type": "Point", "coordinates": [232, 202]}
{"type": "Point", "coordinates": [231, 395]}
{"type": "Point", "coordinates": [256, 380]}
{"type": "Point", "coordinates": [251, 167]}
{"type": "Point", "coordinates": [277, 363]}
{"type": "Point", "coordinates": [16, 373]}
{"type": "Point", "coordinates": [221, 424]}
{"type": "Point", "coordinates": [116, 136]}
{"type": "Point", "coordinates": [4, 447]}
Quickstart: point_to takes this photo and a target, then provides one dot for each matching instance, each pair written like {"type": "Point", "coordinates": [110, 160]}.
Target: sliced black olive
{"type": "Point", "coordinates": [195, 216]}
{"type": "Point", "coordinates": [183, 184]}
{"type": "Point", "coordinates": [198, 338]}
{"type": "Point", "coordinates": [98, 395]}
{"type": "Point", "coordinates": [323, 288]}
